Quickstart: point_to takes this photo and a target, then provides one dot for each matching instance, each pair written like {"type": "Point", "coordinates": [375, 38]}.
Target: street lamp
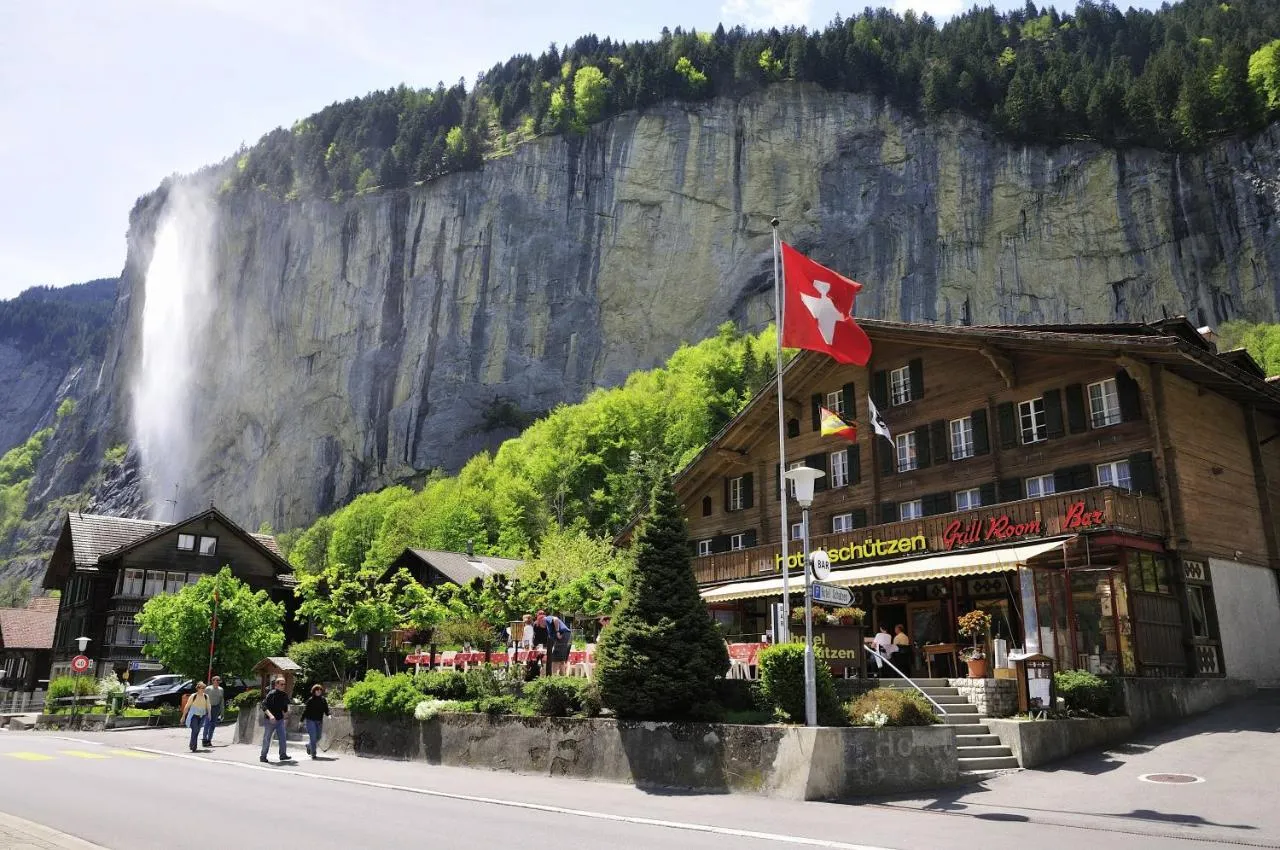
{"type": "Point", "coordinates": [83, 644]}
{"type": "Point", "coordinates": [803, 478]}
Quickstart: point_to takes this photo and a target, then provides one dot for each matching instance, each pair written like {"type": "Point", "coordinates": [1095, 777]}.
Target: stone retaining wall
{"type": "Point", "coordinates": [993, 697]}
{"type": "Point", "coordinates": [776, 761]}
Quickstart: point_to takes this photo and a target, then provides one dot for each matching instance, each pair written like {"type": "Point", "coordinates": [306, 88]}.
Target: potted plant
{"type": "Point", "coordinates": [849, 616]}
{"type": "Point", "coordinates": [797, 614]}
{"type": "Point", "coordinates": [976, 624]}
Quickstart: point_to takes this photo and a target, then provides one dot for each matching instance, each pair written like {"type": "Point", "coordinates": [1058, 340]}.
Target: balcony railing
{"type": "Point", "coordinates": [1106, 508]}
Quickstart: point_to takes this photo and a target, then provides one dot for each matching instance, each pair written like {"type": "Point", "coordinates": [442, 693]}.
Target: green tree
{"type": "Point", "coordinates": [660, 656]}
{"type": "Point", "coordinates": [1264, 73]}
{"type": "Point", "coordinates": [695, 81]}
{"type": "Point", "coordinates": [353, 601]}
{"type": "Point", "coordinates": [323, 661]}
{"type": "Point", "coordinates": [66, 408]}
{"type": "Point", "coordinates": [250, 626]}
{"type": "Point", "coordinates": [590, 94]}
{"type": "Point", "coordinates": [15, 592]}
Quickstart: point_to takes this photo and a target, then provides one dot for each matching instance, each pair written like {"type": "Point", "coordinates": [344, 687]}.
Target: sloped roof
{"type": "Point", "coordinates": [27, 628]}
{"type": "Point", "coordinates": [93, 535]}
{"type": "Point", "coordinates": [461, 568]}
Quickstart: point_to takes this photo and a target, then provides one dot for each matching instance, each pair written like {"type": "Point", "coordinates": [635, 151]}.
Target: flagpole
{"type": "Point", "coordinates": [778, 303]}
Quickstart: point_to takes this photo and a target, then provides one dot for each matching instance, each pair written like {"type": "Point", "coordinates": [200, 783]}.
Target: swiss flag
{"type": "Point", "coordinates": [818, 310]}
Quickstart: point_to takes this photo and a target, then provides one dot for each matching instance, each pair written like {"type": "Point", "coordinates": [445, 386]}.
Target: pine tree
{"type": "Point", "coordinates": [660, 656]}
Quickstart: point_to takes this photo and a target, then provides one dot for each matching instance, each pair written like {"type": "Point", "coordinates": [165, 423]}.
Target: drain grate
{"type": "Point", "coordinates": [1171, 778]}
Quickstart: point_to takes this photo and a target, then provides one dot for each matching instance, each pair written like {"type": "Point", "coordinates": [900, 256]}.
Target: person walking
{"type": "Point", "coordinates": [197, 711]}
{"type": "Point", "coordinates": [275, 710]}
{"type": "Point", "coordinates": [313, 715]}
{"type": "Point", "coordinates": [216, 696]}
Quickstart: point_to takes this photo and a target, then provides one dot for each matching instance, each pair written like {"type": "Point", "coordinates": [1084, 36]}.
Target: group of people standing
{"type": "Point", "coordinates": [550, 638]}
{"type": "Point", "coordinates": [204, 711]}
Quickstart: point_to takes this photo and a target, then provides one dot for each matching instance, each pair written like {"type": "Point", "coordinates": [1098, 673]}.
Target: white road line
{"type": "Point", "coordinates": [538, 807]}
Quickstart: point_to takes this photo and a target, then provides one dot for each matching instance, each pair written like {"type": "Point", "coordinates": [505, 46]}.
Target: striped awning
{"type": "Point", "coordinates": [938, 566]}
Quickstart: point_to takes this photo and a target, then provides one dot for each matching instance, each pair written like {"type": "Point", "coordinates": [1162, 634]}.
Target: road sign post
{"type": "Point", "coordinates": [832, 594]}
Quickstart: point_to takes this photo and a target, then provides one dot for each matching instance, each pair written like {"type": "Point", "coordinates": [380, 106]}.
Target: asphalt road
{"type": "Point", "coordinates": [142, 789]}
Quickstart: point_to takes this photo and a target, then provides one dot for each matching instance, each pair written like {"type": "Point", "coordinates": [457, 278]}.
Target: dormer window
{"type": "Point", "coordinates": [186, 543]}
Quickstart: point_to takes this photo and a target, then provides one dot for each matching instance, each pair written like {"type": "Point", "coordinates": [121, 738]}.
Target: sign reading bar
{"type": "Point", "coordinates": [831, 594]}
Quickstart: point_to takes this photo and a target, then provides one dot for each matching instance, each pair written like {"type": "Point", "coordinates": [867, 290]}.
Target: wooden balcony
{"type": "Point", "coordinates": [1092, 510]}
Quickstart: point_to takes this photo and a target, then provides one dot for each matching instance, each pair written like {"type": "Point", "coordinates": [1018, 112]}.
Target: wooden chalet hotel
{"type": "Point", "coordinates": [1109, 489]}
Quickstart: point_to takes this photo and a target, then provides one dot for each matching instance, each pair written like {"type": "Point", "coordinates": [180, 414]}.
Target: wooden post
{"type": "Point", "coordinates": [1150, 381]}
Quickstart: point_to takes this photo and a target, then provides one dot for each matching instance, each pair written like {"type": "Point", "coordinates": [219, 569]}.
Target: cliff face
{"type": "Point", "coordinates": [353, 344]}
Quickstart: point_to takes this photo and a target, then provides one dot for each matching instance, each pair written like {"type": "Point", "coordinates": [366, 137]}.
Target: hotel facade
{"type": "Point", "coordinates": [1108, 493]}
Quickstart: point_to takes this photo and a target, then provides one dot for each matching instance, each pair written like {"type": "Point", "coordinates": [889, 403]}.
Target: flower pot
{"type": "Point", "coordinates": [977, 668]}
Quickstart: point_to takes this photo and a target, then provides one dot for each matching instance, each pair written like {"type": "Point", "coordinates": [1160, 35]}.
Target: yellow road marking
{"type": "Point", "coordinates": [133, 754]}
{"type": "Point", "coordinates": [30, 756]}
{"type": "Point", "coordinates": [82, 754]}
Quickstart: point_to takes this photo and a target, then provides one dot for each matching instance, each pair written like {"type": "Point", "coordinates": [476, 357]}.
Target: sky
{"type": "Point", "coordinates": [101, 101]}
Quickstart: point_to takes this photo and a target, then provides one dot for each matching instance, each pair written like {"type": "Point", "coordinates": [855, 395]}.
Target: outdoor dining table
{"type": "Point", "coordinates": [742, 659]}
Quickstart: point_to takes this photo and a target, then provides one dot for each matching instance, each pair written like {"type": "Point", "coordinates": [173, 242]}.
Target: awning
{"type": "Point", "coordinates": [939, 566]}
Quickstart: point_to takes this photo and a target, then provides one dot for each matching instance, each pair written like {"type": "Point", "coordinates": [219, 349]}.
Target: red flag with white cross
{"type": "Point", "coordinates": [818, 310]}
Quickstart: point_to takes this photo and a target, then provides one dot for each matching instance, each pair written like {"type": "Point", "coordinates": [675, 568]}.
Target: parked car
{"type": "Point", "coordinates": [172, 694]}
{"type": "Point", "coordinates": [164, 680]}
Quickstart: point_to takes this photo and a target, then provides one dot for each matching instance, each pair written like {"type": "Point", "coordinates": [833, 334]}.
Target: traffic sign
{"type": "Point", "coordinates": [831, 594]}
{"type": "Point", "coordinates": [79, 664]}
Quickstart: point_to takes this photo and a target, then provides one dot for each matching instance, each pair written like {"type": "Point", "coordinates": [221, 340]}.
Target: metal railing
{"type": "Point", "coordinates": [942, 711]}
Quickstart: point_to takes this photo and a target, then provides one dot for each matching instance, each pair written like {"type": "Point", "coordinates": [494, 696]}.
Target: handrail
{"type": "Point", "coordinates": [906, 679]}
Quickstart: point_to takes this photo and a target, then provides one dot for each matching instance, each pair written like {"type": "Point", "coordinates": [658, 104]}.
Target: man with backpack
{"type": "Point", "coordinates": [559, 637]}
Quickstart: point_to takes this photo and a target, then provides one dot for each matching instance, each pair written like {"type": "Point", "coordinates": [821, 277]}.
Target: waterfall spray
{"type": "Point", "coordinates": [175, 315]}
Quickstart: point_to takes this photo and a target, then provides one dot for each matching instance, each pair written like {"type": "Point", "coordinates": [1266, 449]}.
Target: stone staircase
{"type": "Point", "coordinates": [980, 753]}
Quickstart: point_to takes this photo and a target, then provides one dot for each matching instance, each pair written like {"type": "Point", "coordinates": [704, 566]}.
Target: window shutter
{"type": "Point", "coordinates": [819, 462]}
{"type": "Point", "coordinates": [981, 435]}
{"type": "Point", "coordinates": [1077, 422]}
{"type": "Point", "coordinates": [719, 543]}
{"type": "Point", "coordinates": [1129, 397]}
{"type": "Point", "coordinates": [1007, 418]}
{"type": "Point", "coordinates": [938, 436]}
{"type": "Point", "coordinates": [886, 456]}
{"type": "Point", "coordinates": [987, 493]}
{"type": "Point", "coordinates": [888, 512]}
{"type": "Point", "coordinates": [749, 537]}
{"type": "Point", "coordinates": [1142, 473]}
{"type": "Point", "coordinates": [793, 427]}
{"type": "Point", "coordinates": [1084, 477]}
{"type": "Point", "coordinates": [923, 456]}
{"type": "Point", "coordinates": [858, 518]}
{"type": "Point", "coordinates": [938, 503]}
{"type": "Point", "coordinates": [855, 465]}
{"type": "Point", "coordinates": [880, 389]}
{"type": "Point", "coordinates": [726, 495]}
{"type": "Point", "coordinates": [1010, 489]}
{"type": "Point", "coordinates": [915, 368]}
{"type": "Point", "coordinates": [1054, 427]}
{"type": "Point", "coordinates": [850, 402]}
{"type": "Point", "coordinates": [815, 410]}
{"type": "Point", "coordinates": [748, 488]}
{"type": "Point", "coordinates": [1071, 478]}
{"type": "Point", "coordinates": [706, 506]}
{"type": "Point", "coordinates": [1062, 480]}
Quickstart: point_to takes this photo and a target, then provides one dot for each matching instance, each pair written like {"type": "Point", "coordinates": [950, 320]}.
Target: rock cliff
{"type": "Point", "coordinates": [353, 344]}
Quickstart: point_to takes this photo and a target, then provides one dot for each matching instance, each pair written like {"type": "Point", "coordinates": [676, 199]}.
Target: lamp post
{"type": "Point", "coordinates": [83, 644]}
{"type": "Point", "coordinates": [803, 478]}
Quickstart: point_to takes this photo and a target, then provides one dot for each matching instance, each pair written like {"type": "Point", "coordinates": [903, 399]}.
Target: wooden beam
{"type": "Point", "coordinates": [1002, 363]}
{"type": "Point", "coordinates": [735, 457]}
{"type": "Point", "coordinates": [1150, 381]}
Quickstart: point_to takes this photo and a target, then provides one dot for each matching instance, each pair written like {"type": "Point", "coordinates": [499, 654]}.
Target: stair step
{"type": "Point", "coordinates": [972, 775]}
{"type": "Point", "coordinates": [989, 751]}
{"type": "Point", "coordinates": [976, 740]}
{"type": "Point", "coordinates": [988, 763]}
{"type": "Point", "coordinates": [923, 683]}
{"type": "Point", "coordinates": [962, 708]}
{"type": "Point", "coordinates": [948, 699]}
{"type": "Point", "coordinates": [967, 728]}
{"type": "Point", "coordinates": [933, 692]}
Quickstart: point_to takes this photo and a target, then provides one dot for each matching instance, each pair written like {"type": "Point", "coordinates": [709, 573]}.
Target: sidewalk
{"type": "Point", "coordinates": [19, 834]}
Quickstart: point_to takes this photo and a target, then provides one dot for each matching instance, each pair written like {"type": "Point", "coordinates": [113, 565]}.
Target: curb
{"type": "Point", "coordinates": [25, 830]}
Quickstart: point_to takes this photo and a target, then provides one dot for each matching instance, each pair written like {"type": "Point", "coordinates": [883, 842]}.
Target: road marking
{"type": "Point", "coordinates": [30, 756]}
{"type": "Point", "coordinates": [82, 754]}
{"type": "Point", "coordinates": [539, 807]}
{"type": "Point", "coordinates": [133, 755]}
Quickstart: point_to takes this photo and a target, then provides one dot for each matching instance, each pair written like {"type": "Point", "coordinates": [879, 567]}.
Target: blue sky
{"type": "Point", "coordinates": [100, 101]}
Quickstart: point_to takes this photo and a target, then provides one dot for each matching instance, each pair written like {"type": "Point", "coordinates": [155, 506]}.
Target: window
{"type": "Point", "coordinates": [175, 582]}
{"type": "Point", "coordinates": [1149, 573]}
{"type": "Point", "coordinates": [1104, 403]}
{"type": "Point", "coordinates": [131, 583]}
{"type": "Point", "coordinates": [154, 583]}
{"type": "Point", "coordinates": [962, 438]}
{"type": "Point", "coordinates": [900, 386]}
{"type": "Point", "coordinates": [1031, 417]}
{"type": "Point", "coordinates": [967, 500]}
{"type": "Point", "coordinates": [1114, 474]}
{"type": "Point", "coordinates": [735, 493]}
{"type": "Point", "coordinates": [840, 468]}
{"type": "Point", "coordinates": [911, 510]}
{"type": "Point", "coordinates": [706, 506]}
{"type": "Point", "coordinates": [797, 530]}
{"type": "Point", "coordinates": [187, 542]}
{"type": "Point", "coordinates": [906, 451]}
{"type": "Point", "coordinates": [737, 541]}
{"type": "Point", "coordinates": [791, 485]}
{"type": "Point", "coordinates": [1040, 485]}
{"type": "Point", "coordinates": [704, 548]}
{"type": "Point", "coordinates": [123, 631]}
{"type": "Point", "coordinates": [841, 522]}
{"type": "Point", "coordinates": [208, 545]}
{"type": "Point", "coordinates": [835, 402]}
{"type": "Point", "coordinates": [1199, 613]}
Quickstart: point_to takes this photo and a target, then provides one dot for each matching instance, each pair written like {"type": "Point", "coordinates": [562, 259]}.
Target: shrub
{"type": "Point", "coordinates": [429, 708]}
{"type": "Point", "coordinates": [888, 707]}
{"type": "Point", "coordinates": [246, 699]}
{"type": "Point", "coordinates": [782, 685]}
{"type": "Point", "coordinates": [1082, 691]}
{"type": "Point", "coordinates": [737, 695]}
{"type": "Point", "coordinates": [560, 696]}
{"type": "Point", "coordinates": [496, 705]}
{"type": "Point", "coordinates": [490, 681]}
{"type": "Point", "coordinates": [67, 686]}
{"type": "Point", "coordinates": [383, 696]}
{"type": "Point", "coordinates": [660, 656]}
{"type": "Point", "coordinates": [322, 661]}
{"type": "Point", "coordinates": [442, 684]}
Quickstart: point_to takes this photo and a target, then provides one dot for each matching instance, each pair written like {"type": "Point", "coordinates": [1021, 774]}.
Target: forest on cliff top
{"type": "Point", "coordinates": [1177, 78]}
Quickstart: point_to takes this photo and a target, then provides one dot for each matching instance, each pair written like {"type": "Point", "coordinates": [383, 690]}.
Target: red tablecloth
{"type": "Point", "coordinates": [745, 652]}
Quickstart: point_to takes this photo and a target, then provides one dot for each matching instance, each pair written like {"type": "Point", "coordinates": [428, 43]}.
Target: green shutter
{"type": "Point", "coordinates": [855, 465]}
{"type": "Point", "coordinates": [915, 369]}
{"type": "Point", "coordinates": [1142, 473]}
{"type": "Point", "coordinates": [888, 512]}
{"type": "Point", "coordinates": [850, 402]}
{"type": "Point", "coordinates": [924, 457]}
{"type": "Point", "coordinates": [819, 462]}
{"type": "Point", "coordinates": [1007, 418]}
{"type": "Point", "coordinates": [981, 434]}
{"type": "Point", "coordinates": [885, 456]}
{"type": "Point", "coordinates": [938, 437]}
{"type": "Point", "coordinates": [1054, 426]}
{"type": "Point", "coordinates": [987, 493]}
{"type": "Point", "coordinates": [1077, 421]}
{"type": "Point", "coordinates": [815, 409]}
{"type": "Point", "coordinates": [748, 491]}
{"type": "Point", "coordinates": [1129, 397]}
{"type": "Point", "coordinates": [880, 389]}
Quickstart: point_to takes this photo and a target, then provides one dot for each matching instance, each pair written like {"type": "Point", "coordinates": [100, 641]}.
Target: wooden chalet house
{"type": "Point", "coordinates": [107, 567]}
{"type": "Point", "coordinates": [1107, 492]}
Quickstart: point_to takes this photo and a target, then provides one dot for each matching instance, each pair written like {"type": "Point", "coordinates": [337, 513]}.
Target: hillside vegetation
{"type": "Point", "coordinates": [1261, 340]}
{"type": "Point", "coordinates": [64, 324]}
{"type": "Point", "coordinates": [585, 468]}
{"type": "Point", "coordinates": [1176, 79]}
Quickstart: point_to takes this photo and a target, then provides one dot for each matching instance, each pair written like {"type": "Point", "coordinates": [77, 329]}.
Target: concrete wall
{"type": "Point", "coordinates": [993, 697]}
{"type": "Point", "coordinates": [1151, 702]}
{"type": "Point", "coordinates": [1248, 602]}
{"type": "Point", "coordinates": [776, 761]}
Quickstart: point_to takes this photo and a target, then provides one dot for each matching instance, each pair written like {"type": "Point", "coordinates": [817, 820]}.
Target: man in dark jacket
{"type": "Point", "coordinates": [275, 711]}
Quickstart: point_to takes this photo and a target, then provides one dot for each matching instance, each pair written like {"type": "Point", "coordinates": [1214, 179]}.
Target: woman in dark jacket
{"type": "Point", "coordinates": [313, 714]}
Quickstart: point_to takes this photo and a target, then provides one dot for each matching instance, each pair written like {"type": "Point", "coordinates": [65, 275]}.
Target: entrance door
{"type": "Point", "coordinates": [924, 623]}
